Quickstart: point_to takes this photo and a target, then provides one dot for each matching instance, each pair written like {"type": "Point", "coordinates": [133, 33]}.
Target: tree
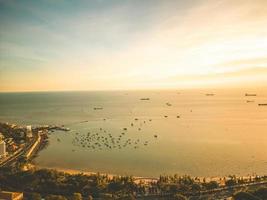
{"type": "Point", "coordinates": [211, 185]}
{"type": "Point", "coordinates": [196, 187]}
{"type": "Point", "coordinates": [179, 197]}
{"type": "Point", "coordinates": [173, 188]}
{"type": "Point", "coordinates": [34, 196]}
{"type": "Point", "coordinates": [114, 186]}
{"type": "Point", "coordinates": [245, 196]}
{"type": "Point", "coordinates": [261, 192]}
{"type": "Point", "coordinates": [77, 196]}
{"type": "Point", "coordinates": [230, 182]}
{"type": "Point", "coordinates": [21, 162]}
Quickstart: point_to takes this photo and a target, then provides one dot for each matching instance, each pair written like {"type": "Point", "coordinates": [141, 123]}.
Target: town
{"type": "Point", "coordinates": [17, 142]}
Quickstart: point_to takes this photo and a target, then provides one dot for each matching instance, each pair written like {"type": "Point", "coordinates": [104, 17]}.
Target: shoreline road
{"type": "Point", "coordinates": [26, 151]}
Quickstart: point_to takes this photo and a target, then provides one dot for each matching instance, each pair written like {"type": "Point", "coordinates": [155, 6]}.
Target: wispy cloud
{"type": "Point", "coordinates": [134, 42]}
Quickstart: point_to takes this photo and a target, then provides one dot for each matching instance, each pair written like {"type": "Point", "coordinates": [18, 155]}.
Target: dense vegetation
{"type": "Point", "coordinates": [54, 185]}
{"type": "Point", "coordinates": [47, 182]}
{"type": "Point", "coordinates": [255, 194]}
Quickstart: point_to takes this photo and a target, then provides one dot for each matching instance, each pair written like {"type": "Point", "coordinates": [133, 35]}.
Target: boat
{"type": "Point", "coordinates": [209, 94]}
{"type": "Point", "coordinates": [145, 99]}
{"type": "Point", "coordinates": [98, 108]}
{"type": "Point", "coordinates": [250, 95]}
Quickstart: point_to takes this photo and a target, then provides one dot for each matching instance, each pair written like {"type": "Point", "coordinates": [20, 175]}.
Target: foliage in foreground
{"type": "Point", "coordinates": [58, 185]}
{"type": "Point", "coordinates": [257, 194]}
{"type": "Point", "coordinates": [54, 185]}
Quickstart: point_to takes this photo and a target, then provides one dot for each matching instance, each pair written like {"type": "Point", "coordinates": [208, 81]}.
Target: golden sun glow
{"type": "Point", "coordinates": [175, 45]}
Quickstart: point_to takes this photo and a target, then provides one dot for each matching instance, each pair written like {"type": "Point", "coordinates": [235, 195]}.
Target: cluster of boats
{"type": "Point", "coordinates": [101, 140]}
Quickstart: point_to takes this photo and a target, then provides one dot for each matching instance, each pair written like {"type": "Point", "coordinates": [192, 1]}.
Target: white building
{"type": "Point", "coordinates": [29, 131]}
{"type": "Point", "coordinates": [2, 149]}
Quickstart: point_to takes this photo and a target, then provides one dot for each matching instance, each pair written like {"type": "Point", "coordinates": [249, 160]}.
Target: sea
{"type": "Point", "coordinates": [209, 132]}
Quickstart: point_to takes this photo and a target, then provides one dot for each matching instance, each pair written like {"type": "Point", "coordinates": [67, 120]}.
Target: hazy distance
{"type": "Point", "coordinates": [132, 44]}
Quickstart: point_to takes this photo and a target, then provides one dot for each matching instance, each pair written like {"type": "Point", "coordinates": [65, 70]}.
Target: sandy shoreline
{"type": "Point", "coordinates": [137, 179]}
{"type": "Point", "coordinates": [74, 171]}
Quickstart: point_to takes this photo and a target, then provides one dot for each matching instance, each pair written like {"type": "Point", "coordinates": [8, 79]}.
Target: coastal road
{"type": "Point", "coordinates": [12, 159]}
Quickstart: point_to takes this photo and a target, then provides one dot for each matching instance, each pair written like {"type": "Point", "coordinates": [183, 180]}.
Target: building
{"type": "Point", "coordinates": [4, 195]}
{"type": "Point", "coordinates": [29, 131]}
{"type": "Point", "coordinates": [2, 148]}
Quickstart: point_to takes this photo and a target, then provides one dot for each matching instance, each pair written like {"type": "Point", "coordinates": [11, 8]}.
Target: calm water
{"type": "Point", "coordinates": [214, 136]}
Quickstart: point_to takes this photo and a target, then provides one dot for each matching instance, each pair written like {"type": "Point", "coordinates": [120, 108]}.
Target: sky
{"type": "Point", "coordinates": [132, 44]}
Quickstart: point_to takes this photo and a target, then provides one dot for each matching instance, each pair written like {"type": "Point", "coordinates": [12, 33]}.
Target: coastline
{"type": "Point", "coordinates": [144, 180]}
{"type": "Point", "coordinates": [148, 180]}
{"type": "Point", "coordinates": [137, 179]}
{"type": "Point", "coordinates": [75, 171]}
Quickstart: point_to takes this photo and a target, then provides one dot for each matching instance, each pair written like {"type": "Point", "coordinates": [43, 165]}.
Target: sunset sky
{"type": "Point", "coordinates": [131, 44]}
